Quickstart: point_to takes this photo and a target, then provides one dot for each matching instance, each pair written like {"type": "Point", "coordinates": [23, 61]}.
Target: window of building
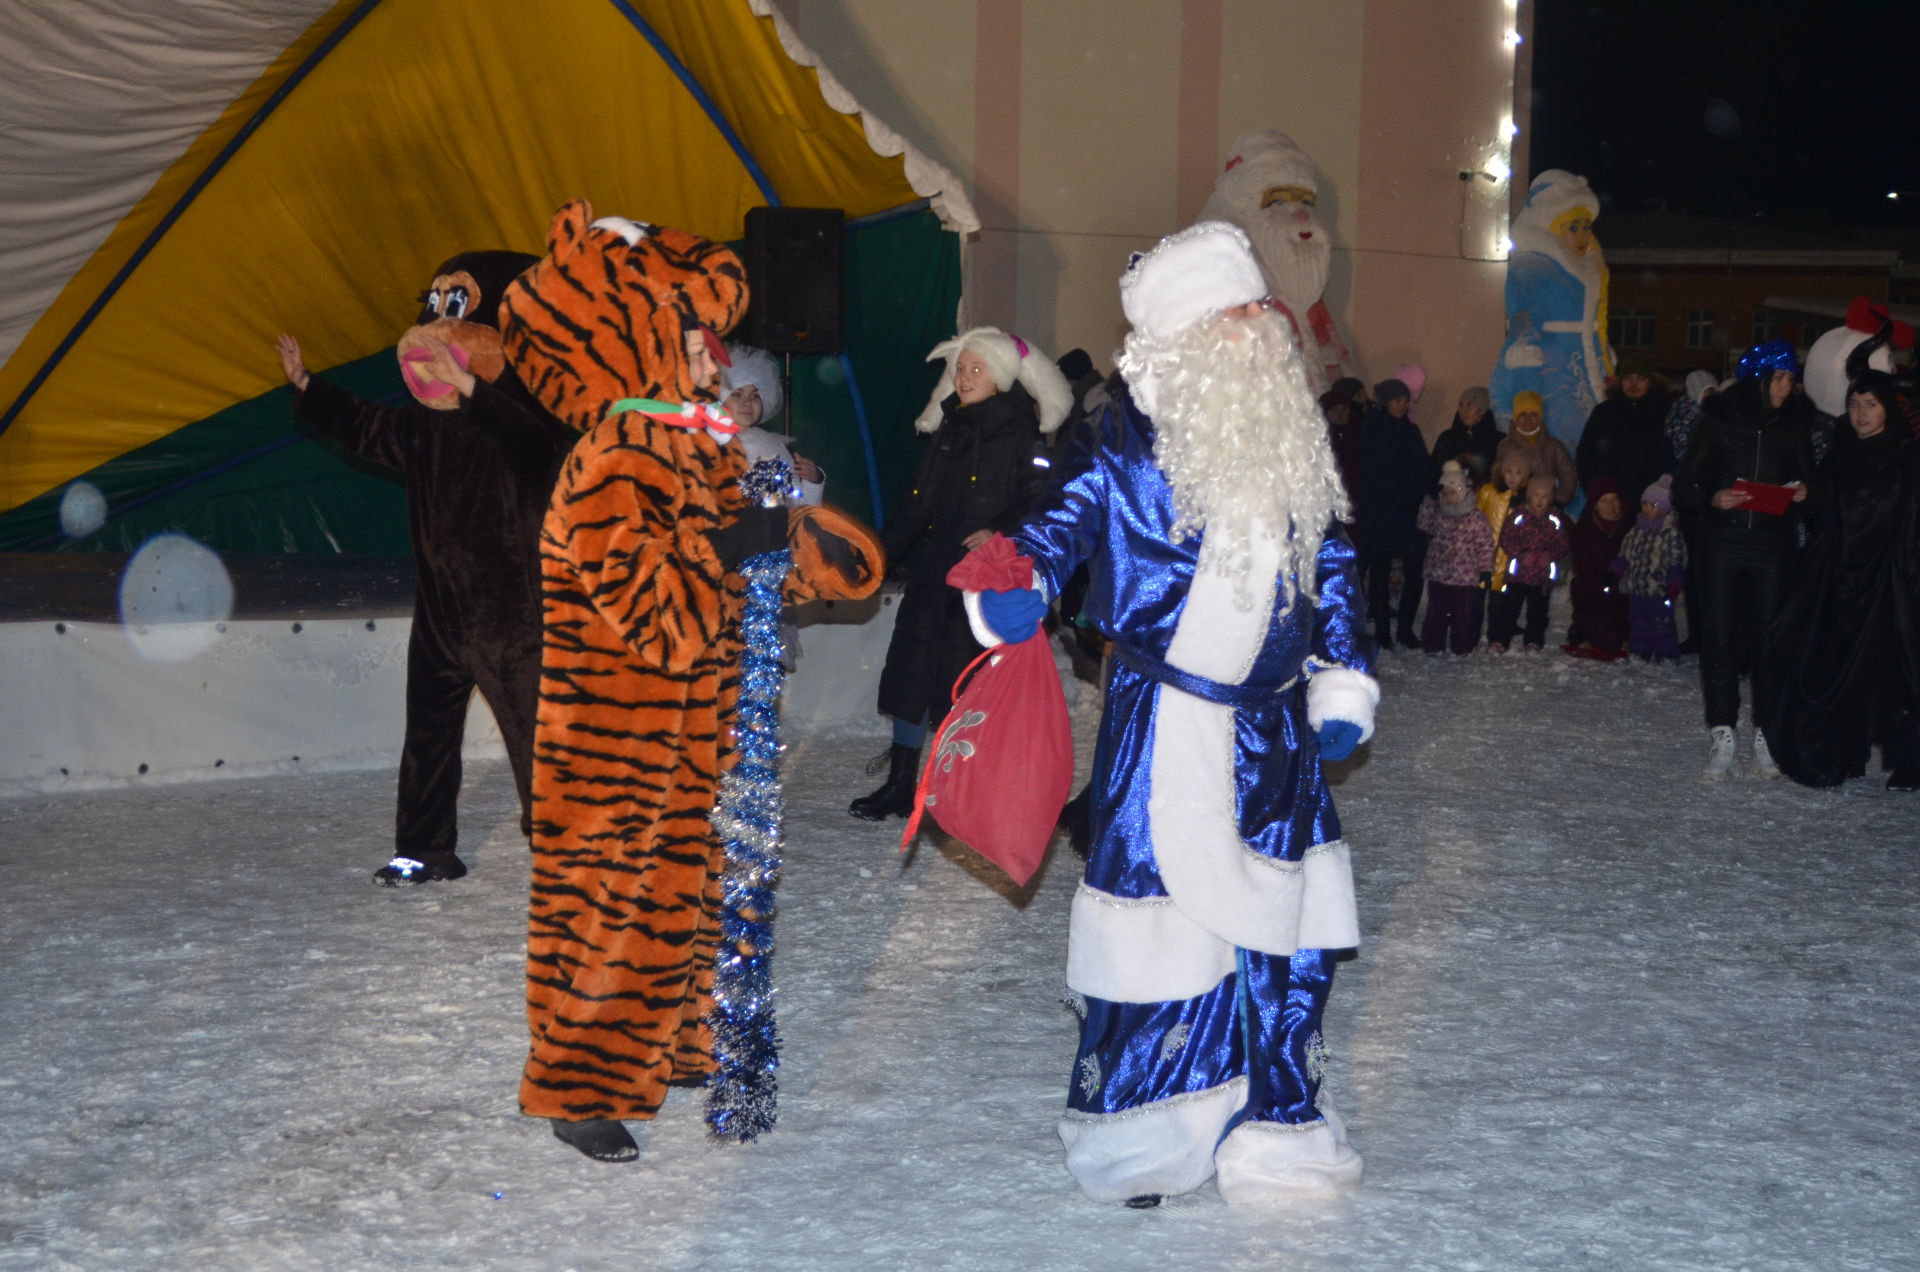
{"type": "Point", "coordinates": [1699, 328]}
{"type": "Point", "coordinates": [1630, 328]}
{"type": "Point", "coordinates": [1766, 325]}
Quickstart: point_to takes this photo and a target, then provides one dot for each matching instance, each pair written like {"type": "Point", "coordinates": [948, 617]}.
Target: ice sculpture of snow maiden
{"type": "Point", "coordinates": [1556, 306]}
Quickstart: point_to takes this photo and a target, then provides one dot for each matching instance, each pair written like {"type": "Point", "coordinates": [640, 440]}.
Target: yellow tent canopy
{"type": "Point", "coordinates": [391, 135]}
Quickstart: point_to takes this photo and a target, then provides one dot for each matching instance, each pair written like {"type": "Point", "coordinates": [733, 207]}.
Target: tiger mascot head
{"type": "Point", "coordinates": [606, 313]}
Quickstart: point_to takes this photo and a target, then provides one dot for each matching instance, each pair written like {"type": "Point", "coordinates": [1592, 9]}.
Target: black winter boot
{"type": "Point", "coordinates": [895, 796]}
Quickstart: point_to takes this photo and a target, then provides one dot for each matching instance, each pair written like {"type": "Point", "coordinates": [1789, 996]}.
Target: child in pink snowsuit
{"type": "Point", "coordinates": [1459, 559]}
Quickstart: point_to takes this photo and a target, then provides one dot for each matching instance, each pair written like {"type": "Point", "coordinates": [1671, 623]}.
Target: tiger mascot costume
{"type": "Point", "coordinates": [639, 665]}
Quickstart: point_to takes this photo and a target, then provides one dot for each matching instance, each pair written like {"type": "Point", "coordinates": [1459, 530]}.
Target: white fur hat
{"type": "Point", "coordinates": [1008, 358]}
{"type": "Point", "coordinates": [1190, 274]}
{"type": "Point", "coordinates": [760, 369]}
{"type": "Point", "coordinates": [1556, 192]}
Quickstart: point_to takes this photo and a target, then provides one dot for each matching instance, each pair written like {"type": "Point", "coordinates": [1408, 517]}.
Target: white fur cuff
{"type": "Point", "coordinates": [1339, 693]}
{"type": "Point", "coordinates": [1166, 1147]}
{"type": "Point", "coordinates": [1273, 1161]}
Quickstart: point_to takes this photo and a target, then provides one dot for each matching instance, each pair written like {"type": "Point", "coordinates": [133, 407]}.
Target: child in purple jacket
{"type": "Point", "coordinates": [1534, 539]}
{"type": "Point", "coordinates": [1653, 566]}
{"type": "Point", "coordinates": [1459, 559]}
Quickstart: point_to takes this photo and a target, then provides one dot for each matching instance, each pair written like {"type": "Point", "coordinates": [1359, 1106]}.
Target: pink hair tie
{"type": "Point", "coordinates": [1018, 343]}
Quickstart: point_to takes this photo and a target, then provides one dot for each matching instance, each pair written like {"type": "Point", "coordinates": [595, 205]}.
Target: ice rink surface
{"type": "Point", "coordinates": [1606, 1016]}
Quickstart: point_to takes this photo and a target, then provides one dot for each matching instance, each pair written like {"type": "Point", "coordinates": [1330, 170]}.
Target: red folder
{"type": "Point", "coordinates": [1772, 500]}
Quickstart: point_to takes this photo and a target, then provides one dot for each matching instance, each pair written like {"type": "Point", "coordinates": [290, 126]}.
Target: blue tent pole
{"type": "Point", "coordinates": [866, 440]}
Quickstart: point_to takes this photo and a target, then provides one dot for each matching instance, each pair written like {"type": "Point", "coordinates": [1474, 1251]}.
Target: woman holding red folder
{"type": "Point", "coordinates": [1759, 431]}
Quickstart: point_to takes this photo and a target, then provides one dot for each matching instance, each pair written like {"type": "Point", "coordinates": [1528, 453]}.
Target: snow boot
{"type": "Point", "coordinates": [1719, 753]}
{"type": "Point", "coordinates": [1763, 765]}
{"type": "Point", "coordinates": [1145, 1201]}
{"type": "Point", "coordinates": [600, 1138]}
{"type": "Point", "coordinates": [895, 796]}
{"type": "Point", "coordinates": [408, 870]}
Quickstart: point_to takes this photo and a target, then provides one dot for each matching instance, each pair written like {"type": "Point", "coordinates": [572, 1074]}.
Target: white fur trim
{"type": "Point", "coordinates": [981, 632]}
{"type": "Point", "coordinates": [1244, 898]}
{"type": "Point", "coordinates": [929, 180]}
{"type": "Point", "coordinates": [1166, 1147]}
{"type": "Point", "coordinates": [1340, 693]}
{"type": "Point", "coordinates": [1271, 1161]}
{"type": "Point", "coordinates": [1140, 950]}
{"type": "Point", "coordinates": [1190, 274]}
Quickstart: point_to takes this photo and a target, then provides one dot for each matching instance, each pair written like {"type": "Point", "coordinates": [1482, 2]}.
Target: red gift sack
{"type": "Point", "coordinates": [1002, 763]}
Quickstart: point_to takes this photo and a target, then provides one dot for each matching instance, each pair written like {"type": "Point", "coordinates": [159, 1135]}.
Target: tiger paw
{"type": "Point", "coordinates": [600, 1138]}
{"type": "Point", "coordinates": [408, 870]}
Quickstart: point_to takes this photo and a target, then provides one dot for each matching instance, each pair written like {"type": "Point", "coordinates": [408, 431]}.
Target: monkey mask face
{"type": "Point", "coordinates": [460, 307]}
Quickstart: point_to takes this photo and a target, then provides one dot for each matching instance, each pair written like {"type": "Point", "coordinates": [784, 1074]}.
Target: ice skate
{"type": "Point", "coordinates": [600, 1138]}
{"type": "Point", "coordinates": [409, 870]}
{"type": "Point", "coordinates": [1719, 753]}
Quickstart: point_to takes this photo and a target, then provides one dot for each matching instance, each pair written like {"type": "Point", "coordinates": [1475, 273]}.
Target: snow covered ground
{"type": "Point", "coordinates": [1607, 1016]}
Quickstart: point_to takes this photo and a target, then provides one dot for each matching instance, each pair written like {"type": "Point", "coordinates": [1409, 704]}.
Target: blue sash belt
{"type": "Point", "coordinates": [1248, 697]}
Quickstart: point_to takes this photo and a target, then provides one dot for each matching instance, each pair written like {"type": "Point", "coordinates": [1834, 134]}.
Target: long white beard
{"type": "Point", "coordinates": [1296, 270]}
{"type": "Point", "coordinates": [1241, 440]}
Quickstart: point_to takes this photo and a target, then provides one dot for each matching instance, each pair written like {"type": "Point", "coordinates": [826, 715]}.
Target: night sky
{"type": "Point", "coordinates": [1797, 113]}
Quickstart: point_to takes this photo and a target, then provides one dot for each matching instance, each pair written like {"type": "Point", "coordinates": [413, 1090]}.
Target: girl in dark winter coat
{"type": "Point", "coordinates": [1534, 539]}
{"type": "Point", "coordinates": [1653, 568]}
{"type": "Point", "coordinates": [1394, 478]}
{"type": "Point", "coordinates": [985, 464]}
{"type": "Point", "coordinates": [1759, 431]}
{"type": "Point", "coordinates": [1599, 628]}
{"type": "Point", "coordinates": [1846, 649]}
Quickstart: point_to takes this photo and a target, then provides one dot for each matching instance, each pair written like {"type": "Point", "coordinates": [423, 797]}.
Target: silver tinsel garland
{"type": "Point", "coordinates": [743, 1093]}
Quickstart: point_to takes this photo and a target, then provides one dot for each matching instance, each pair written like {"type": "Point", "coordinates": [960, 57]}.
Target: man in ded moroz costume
{"type": "Point", "coordinates": [1269, 190]}
{"type": "Point", "coordinates": [1218, 893]}
{"type": "Point", "coordinates": [1556, 306]}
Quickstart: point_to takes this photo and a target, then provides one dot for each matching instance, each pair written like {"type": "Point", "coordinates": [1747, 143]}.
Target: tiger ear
{"type": "Point", "coordinates": [569, 227]}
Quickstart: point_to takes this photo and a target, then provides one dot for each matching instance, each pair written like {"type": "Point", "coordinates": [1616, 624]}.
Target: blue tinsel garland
{"type": "Point", "coordinates": [743, 1093]}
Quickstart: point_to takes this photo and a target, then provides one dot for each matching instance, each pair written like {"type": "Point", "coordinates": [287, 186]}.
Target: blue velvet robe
{"type": "Point", "coordinates": [1257, 1027]}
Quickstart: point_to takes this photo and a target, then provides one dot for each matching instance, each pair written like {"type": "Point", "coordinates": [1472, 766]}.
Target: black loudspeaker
{"type": "Point", "coordinates": [794, 277]}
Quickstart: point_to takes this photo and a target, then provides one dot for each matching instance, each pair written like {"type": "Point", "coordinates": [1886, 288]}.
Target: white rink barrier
{"type": "Point", "coordinates": [86, 709]}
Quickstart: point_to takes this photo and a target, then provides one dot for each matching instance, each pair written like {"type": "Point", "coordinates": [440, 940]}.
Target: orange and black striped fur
{"type": "Point", "coordinates": [638, 668]}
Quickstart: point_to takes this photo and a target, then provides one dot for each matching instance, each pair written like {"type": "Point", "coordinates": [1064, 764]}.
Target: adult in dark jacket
{"type": "Point", "coordinates": [985, 464]}
{"type": "Point", "coordinates": [1626, 434]}
{"type": "Point", "coordinates": [1471, 439]}
{"type": "Point", "coordinates": [479, 460]}
{"type": "Point", "coordinates": [1845, 651]}
{"type": "Point", "coordinates": [1760, 430]}
{"type": "Point", "coordinates": [1394, 477]}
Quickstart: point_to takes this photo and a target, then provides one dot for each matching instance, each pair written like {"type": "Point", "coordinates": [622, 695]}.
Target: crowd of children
{"type": "Point", "coordinates": [1492, 536]}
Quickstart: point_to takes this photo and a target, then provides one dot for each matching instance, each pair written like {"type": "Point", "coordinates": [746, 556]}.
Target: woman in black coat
{"type": "Point", "coordinates": [1394, 477]}
{"type": "Point", "coordinates": [984, 466]}
{"type": "Point", "coordinates": [1846, 648]}
{"type": "Point", "coordinates": [1759, 431]}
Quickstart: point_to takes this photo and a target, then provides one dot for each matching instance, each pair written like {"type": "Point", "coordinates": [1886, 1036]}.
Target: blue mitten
{"type": "Point", "coordinates": [1013, 615]}
{"type": "Point", "coordinates": [1338, 738]}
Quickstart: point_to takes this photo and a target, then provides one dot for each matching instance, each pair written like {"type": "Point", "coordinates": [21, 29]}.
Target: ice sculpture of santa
{"type": "Point", "coordinates": [1269, 190]}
